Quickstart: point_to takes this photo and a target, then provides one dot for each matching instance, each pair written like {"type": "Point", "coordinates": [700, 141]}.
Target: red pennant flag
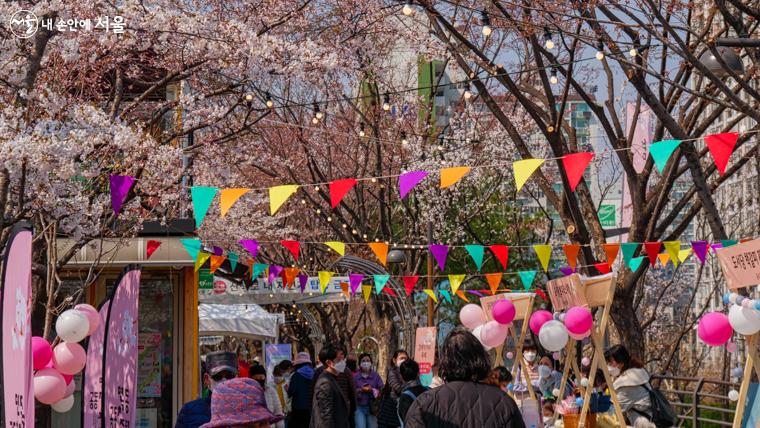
{"type": "Point", "coordinates": [652, 248]}
{"type": "Point", "coordinates": [338, 190]}
{"type": "Point", "coordinates": [542, 294]}
{"type": "Point", "coordinates": [575, 164]}
{"type": "Point", "coordinates": [611, 250]}
{"type": "Point", "coordinates": [571, 253]}
{"type": "Point", "coordinates": [389, 291]}
{"type": "Point", "coordinates": [501, 252]}
{"type": "Point", "coordinates": [721, 147]}
{"type": "Point", "coordinates": [292, 246]}
{"type": "Point", "coordinates": [216, 261]}
{"type": "Point", "coordinates": [152, 247]}
{"type": "Point", "coordinates": [602, 267]}
{"type": "Point", "coordinates": [409, 283]}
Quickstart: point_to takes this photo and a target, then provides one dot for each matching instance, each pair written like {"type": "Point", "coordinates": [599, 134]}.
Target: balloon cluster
{"type": "Point", "coordinates": [555, 330]}
{"type": "Point", "coordinates": [716, 329]}
{"type": "Point", "coordinates": [55, 367]}
{"type": "Point", "coordinates": [490, 333]}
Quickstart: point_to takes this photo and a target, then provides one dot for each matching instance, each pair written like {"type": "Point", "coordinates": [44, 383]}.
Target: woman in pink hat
{"type": "Point", "coordinates": [239, 403]}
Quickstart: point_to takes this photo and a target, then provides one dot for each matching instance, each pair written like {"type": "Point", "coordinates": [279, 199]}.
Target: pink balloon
{"type": "Point", "coordinates": [579, 336]}
{"type": "Point", "coordinates": [538, 319]}
{"type": "Point", "coordinates": [92, 316]}
{"type": "Point", "coordinates": [70, 387]}
{"type": "Point", "coordinates": [49, 386]}
{"type": "Point", "coordinates": [41, 352]}
{"type": "Point", "coordinates": [578, 320]}
{"type": "Point", "coordinates": [69, 358]}
{"type": "Point", "coordinates": [494, 333]}
{"type": "Point", "coordinates": [503, 311]}
{"type": "Point", "coordinates": [714, 329]}
{"type": "Point", "coordinates": [472, 316]}
{"type": "Point", "coordinates": [68, 378]}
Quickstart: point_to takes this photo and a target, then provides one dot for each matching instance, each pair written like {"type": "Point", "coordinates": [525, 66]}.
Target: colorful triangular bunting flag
{"type": "Point", "coordinates": [611, 251]}
{"type": "Point", "coordinates": [673, 247]}
{"type": "Point", "coordinates": [380, 281]}
{"type": "Point", "coordinates": [202, 197]}
{"type": "Point", "coordinates": [700, 250]}
{"type": "Point", "coordinates": [381, 251]}
{"type": "Point", "coordinates": [202, 257]}
{"type": "Point", "coordinates": [293, 246]}
{"type": "Point", "coordinates": [408, 180]}
{"type": "Point", "coordinates": [544, 253]}
{"type": "Point", "coordinates": [324, 279]}
{"type": "Point", "coordinates": [523, 169]}
{"type": "Point", "coordinates": [721, 147]}
{"type": "Point", "coordinates": [476, 252]}
{"type": "Point", "coordinates": [355, 280]}
{"type": "Point", "coordinates": [216, 261]}
{"type": "Point", "coordinates": [628, 249]}
{"type": "Point", "coordinates": [652, 249]}
{"type": "Point", "coordinates": [501, 252]}
{"type": "Point", "coordinates": [251, 246]}
{"type": "Point", "coordinates": [278, 195]}
{"type": "Point", "coordinates": [233, 258]}
{"type": "Point", "coordinates": [430, 294]}
{"type": "Point", "coordinates": [303, 279]}
{"type": "Point", "coordinates": [338, 247]}
{"type": "Point", "coordinates": [192, 246]}
{"type": "Point", "coordinates": [339, 188]}
{"type": "Point", "coordinates": [289, 276]}
{"type": "Point", "coordinates": [455, 281]}
{"type": "Point", "coordinates": [661, 152]}
{"type": "Point", "coordinates": [494, 279]}
{"type": "Point", "coordinates": [366, 291]}
{"type": "Point", "coordinates": [571, 254]}
{"type": "Point", "coordinates": [450, 176]}
{"type": "Point", "coordinates": [440, 252]}
{"type": "Point", "coordinates": [664, 258]}
{"type": "Point", "coordinates": [228, 197]}
{"type": "Point", "coordinates": [602, 267]}
{"type": "Point", "coordinates": [151, 247]}
{"type": "Point", "coordinates": [409, 283]}
{"type": "Point", "coordinates": [684, 254]}
{"type": "Point", "coordinates": [119, 186]}
{"type": "Point", "coordinates": [575, 165]}
{"type": "Point", "coordinates": [636, 263]}
{"type": "Point", "coordinates": [446, 295]}
{"type": "Point", "coordinates": [258, 269]}
{"type": "Point", "coordinates": [527, 277]}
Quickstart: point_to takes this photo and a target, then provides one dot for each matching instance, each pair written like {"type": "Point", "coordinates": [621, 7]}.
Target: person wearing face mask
{"type": "Point", "coordinates": [530, 360]}
{"type": "Point", "coordinates": [388, 416]}
{"type": "Point", "coordinates": [631, 383]}
{"type": "Point", "coordinates": [550, 379]}
{"type": "Point", "coordinates": [368, 387]}
{"type": "Point", "coordinates": [329, 407]}
{"type": "Point", "coordinates": [299, 390]}
{"type": "Point", "coordinates": [276, 396]}
{"type": "Point", "coordinates": [345, 380]}
{"type": "Point", "coordinates": [220, 366]}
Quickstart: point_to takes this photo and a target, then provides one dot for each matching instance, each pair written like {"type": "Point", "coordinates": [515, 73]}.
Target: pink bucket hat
{"type": "Point", "coordinates": [239, 401]}
{"type": "Point", "coordinates": [302, 357]}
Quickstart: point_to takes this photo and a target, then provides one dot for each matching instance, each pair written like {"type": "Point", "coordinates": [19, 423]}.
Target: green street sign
{"type": "Point", "coordinates": [205, 279]}
{"type": "Point", "coordinates": [607, 215]}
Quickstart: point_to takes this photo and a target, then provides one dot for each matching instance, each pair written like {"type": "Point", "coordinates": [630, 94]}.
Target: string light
{"type": "Point", "coordinates": [317, 114]}
{"type": "Point", "coordinates": [633, 52]}
{"type": "Point", "coordinates": [361, 130]}
{"type": "Point", "coordinates": [404, 141]}
{"type": "Point", "coordinates": [386, 102]}
{"type": "Point", "coordinates": [467, 93]}
{"type": "Point", "coordinates": [248, 98]}
{"type": "Point", "coordinates": [268, 98]}
{"type": "Point", "coordinates": [548, 42]}
{"type": "Point", "coordinates": [407, 9]}
{"type": "Point", "coordinates": [600, 51]}
{"type": "Point", "coordinates": [553, 77]}
{"type": "Point", "coordinates": [486, 21]}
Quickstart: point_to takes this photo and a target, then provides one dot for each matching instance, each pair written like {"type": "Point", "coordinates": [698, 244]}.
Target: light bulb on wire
{"type": "Point", "coordinates": [548, 41]}
{"type": "Point", "coordinates": [407, 9]}
{"type": "Point", "coordinates": [633, 52]}
{"type": "Point", "coordinates": [553, 79]}
{"type": "Point", "coordinates": [248, 97]}
{"type": "Point", "coordinates": [404, 141]}
{"type": "Point", "coordinates": [486, 21]}
{"type": "Point", "coordinates": [268, 99]}
{"type": "Point", "coordinates": [600, 51]}
{"type": "Point", "coordinates": [317, 114]}
{"type": "Point", "coordinates": [361, 130]}
{"type": "Point", "coordinates": [386, 102]}
{"type": "Point", "coordinates": [467, 93]}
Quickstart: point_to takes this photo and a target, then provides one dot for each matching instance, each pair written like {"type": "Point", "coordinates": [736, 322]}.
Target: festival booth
{"type": "Point", "coordinates": [242, 320]}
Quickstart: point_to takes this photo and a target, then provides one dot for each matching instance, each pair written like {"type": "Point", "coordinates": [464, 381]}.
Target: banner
{"type": "Point", "coordinates": [274, 353]}
{"type": "Point", "coordinates": [18, 397]}
{"type": "Point", "coordinates": [120, 356]}
{"type": "Point", "coordinates": [424, 353]}
{"type": "Point", "coordinates": [92, 382]}
{"type": "Point", "coordinates": [741, 264]}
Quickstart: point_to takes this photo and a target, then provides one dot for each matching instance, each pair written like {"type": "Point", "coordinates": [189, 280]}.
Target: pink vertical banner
{"type": "Point", "coordinates": [642, 134]}
{"type": "Point", "coordinates": [120, 357]}
{"type": "Point", "coordinates": [18, 396]}
{"type": "Point", "coordinates": [92, 384]}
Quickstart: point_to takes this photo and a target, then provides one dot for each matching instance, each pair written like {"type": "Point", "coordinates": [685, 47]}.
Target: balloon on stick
{"type": "Point", "coordinates": [553, 336]}
{"type": "Point", "coordinates": [503, 311]}
{"type": "Point", "coordinates": [744, 320]}
{"type": "Point", "coordinates": [714, 329]}
{"type": "Point", "coordinates": [472, 316]}
{"type": "Point", "coordinates": [538, 319]}
{"type": "Point", "coordinates": [494, 333]}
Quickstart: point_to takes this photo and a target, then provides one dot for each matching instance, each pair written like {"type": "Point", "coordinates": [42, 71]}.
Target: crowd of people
{"type": "Point", "coordinates": [341, 391]}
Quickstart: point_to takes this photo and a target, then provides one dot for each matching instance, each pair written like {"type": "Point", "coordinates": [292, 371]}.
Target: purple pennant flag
{"type": "Point", "coordinates": [700, 249]}
{"type": "Point", "coordinates": [440, 252]}
{"type": "Point", "coordinates": [274, 272]}
{"type": "Point", "coordinates": [566, 270]}
{"type": "Point", "coordinates": [475, 292]}
{"type": "Point", "coordinates": [716, 246]}
{"type": "Point", "coordinates": [218, 251]}
{"type": "Point", "coordinates": [302, 280]}
{"type": "Point", "coordinates": [250, 245]}
{"type": "Point", "coordinates": [355, 279]}
{"type": "Point", "coordinates": [120, 185]}
{"type": "Point", "coordinates": [408, 180]}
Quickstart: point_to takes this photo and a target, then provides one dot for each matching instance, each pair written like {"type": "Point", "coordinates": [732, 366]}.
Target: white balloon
{"type": "Point", "coordinates": [72, 326]}
{"type": "Point", "coordinates": [744, 320]}
{"type": "Point", "coordinates": [553, 336]}
{"type": "Point", "coordinates": [476, 332]}
{"type": "Point", "coordinates": [733, 395]}
{"type": "Point", "coordinates": [64, 404]}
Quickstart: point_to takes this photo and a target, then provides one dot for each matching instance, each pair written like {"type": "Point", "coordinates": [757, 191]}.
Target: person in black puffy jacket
{"type": "Point", "coordinates": [464, 401]}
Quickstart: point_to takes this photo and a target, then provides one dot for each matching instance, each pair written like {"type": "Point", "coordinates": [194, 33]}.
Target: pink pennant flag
{"type": "Point", "coordinates": [355, 280]}
{"type": "Point", "coordinates": [120, 185]}
{"type": "Point", "coordinates": [408, 180]}
{"type": "Point", "coordinates": [302, 280]}
{"type": "Point", "coordinates": [700, 249]}
{"type": "Point", "coordinates": [440, 252]}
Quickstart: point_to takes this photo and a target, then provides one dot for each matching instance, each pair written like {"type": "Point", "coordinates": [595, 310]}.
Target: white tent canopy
{"type": "Point", "coordinates": [246, 320]}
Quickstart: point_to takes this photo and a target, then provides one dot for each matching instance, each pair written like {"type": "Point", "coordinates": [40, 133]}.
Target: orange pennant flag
{"type": "Point", "coordinates": [611, 250]}
{"type": "Point", "coordinates": [216, 261]}
{"type": "Point", "coordinates": [289, 275]}
{"type": "Point", "coordinates": [664, 258]}
{"type": "Point", "coordinates": [494, 279]}
{"type": "Point", "coordinates": [381, 251]}
{"type": "Point", "coordinates": [344, 289]}
{"type": "Point", "coordinates": [571, 253]}
{"type": "Point", "coordinates": [228, 197]}
{"type": "Point", "coordinates": [462, 296]}
{"type": "Point", "coordinates": [450, 176]}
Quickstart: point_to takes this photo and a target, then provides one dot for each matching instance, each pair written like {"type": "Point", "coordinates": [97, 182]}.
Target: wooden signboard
{"type": "Point", "coordinates": [522, 302]}
{"type": "Point", "coordinates": [741, 264]}
{"type": "Point", "coordinates": [566, 292]}
{"type": "Point", "coordinates": [598, 289]}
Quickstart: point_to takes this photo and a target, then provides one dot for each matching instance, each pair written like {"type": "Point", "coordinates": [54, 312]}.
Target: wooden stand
{"type": "Point", "coordinates": [752, 364]}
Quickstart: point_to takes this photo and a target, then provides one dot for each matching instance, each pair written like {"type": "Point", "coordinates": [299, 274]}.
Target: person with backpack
{"type": "Point", "coordinates": [410, 374]}
{"type": "Point", "coordinates": [643, 406]}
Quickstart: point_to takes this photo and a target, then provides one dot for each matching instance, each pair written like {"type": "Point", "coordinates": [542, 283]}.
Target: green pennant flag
{"type": "Point", "coordinates": [728, 242]}
{"type": "Point", "coordinates": [527, 277]}
{"type": "Point", "coordinates": [192, 246]}
{"type": "Point", "coordinates": [233, 258]}
{"type": "Point", "coordinates": [380, 281]}
{"type": "Point", "coordinates": [202, 197]}
{"type": "Point", "coordinates": [635, 263]}
{"type": "Point", "coordinates": [446, 295]}
{"type": "Point", "coordinates": [628, 249]}
{"type": "Point", "coordinates": [476, 252]}
{"type": "Point", "coordinates": [258, 268]}
{"type": "Point", "coordinates": [661, 152]}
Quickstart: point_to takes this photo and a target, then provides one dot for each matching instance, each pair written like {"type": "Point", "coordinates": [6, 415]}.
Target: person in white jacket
{"type": "Point", "coordinates": [276, 395]}
{"type": "Point", "coordinates": [630, 384]}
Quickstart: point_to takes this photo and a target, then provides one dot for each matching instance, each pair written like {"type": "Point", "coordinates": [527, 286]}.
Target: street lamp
{"type": "Point", "coordinates": [731, 60]}
{"type": "Point", "coordinates": [396, 256]}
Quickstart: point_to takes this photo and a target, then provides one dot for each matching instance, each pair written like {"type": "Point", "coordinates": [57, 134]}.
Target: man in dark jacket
{"type": "Point", "coordinates": [220, 366]}
{"type": "Point", "coordinates": [410, 374]}
{"type": "Point", "coordinates": [329, 409]}
{"type": "Point", "coordinates": [345, 381]}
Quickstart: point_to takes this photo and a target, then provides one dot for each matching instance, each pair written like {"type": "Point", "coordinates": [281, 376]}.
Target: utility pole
{"type": "Point", "coordinates": [430, 306]}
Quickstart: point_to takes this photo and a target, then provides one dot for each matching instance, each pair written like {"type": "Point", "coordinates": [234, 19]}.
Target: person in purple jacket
{"type": "Point", "coordinates": [368, 387]}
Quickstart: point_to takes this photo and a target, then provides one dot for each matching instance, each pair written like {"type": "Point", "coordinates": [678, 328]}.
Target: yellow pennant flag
{"type": "Point", "coordinates": [201, 259]}
{"type": "Point", "coordinates": [684, 254]}
{"type": "Point", "coordinates": [673, 247]}
{"type": "Point", "coordinates": [278, 195]}
{"type": "Point", "coordinates": [494, 279]}
{"type": "Point", "coordinates": [431, 294]}
{"type": "Point", "coordinates": [366, 292]}
{"type": "Point", "coordinates": [544, 253]}
{"type": "Point", "coordinates": [381, 251]}
{"type": "Point", "coordinates": [450, 176]}
{"type": "Point", "coordinates": [455, 281]}
{"type": "Point", "coordinates": [664, 257]}
{"type": "Point", "coordinates": [228, 197]}
{"type": "Point", "coordinates": [523, 169]}
{"type": "Point", "coordinates": [338, 247]}
{"type": "Point", "coordinates": [324, 279]}
{"type": "Point", "coordinates": [216, 261]}
{"type": "Point", "coordinates": [462, 296]}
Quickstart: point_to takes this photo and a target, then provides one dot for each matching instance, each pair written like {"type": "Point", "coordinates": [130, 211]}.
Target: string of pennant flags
{"type": "Point", "coordinates": [721, 147]}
